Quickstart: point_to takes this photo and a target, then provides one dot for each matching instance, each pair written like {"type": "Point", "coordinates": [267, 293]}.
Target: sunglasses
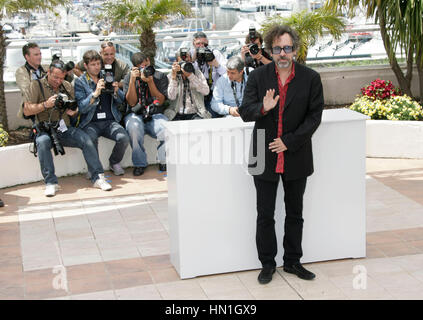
{"type": "Point", "coordinates": [58, 64]}
{"type": "Point", "coordinates": [106, 44]}
{"type": "Point", "coordinates": [278, 50]}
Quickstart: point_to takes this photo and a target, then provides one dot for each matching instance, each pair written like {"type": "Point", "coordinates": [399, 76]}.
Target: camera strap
{"type": "Point", "coordinates": [210, 79]}
{"type": "Point", "coordinates": [31, 70]}
{"type": "Point", "coordinates": [184, 96]}
{"type": "Point", "coordinates": [233, 85]}
{"type": "Point", "coordinates": [142, 93]}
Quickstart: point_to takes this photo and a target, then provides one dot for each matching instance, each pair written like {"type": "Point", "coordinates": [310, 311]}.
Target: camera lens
{"type": "Point", "coordinates": [254, 49]}
{"type": "Point", "coordinates": [187, 66]}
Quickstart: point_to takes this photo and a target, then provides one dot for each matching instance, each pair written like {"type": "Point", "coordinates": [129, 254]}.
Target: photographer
{"type": "Point", "coordinates": [108, 56]}
{"type": "Point", "coordinates": [145, 90]}
{"type": "Point", "coordinates": [252, 52]}
{"type": "Point", "coordinates": [98, 96]}
{"type": "Point", "coordinates": [69, 66]}
{"type": "Point", "coordinates": [229, 90]}
{"type": "Point", "coordinates": [31, 70]}
{"type": "Point", "coordinates": [44, 99]}
{"type": "Point", "coordinates": [211, 63]}
{"type": "Point", "coordinates": [187, 88]}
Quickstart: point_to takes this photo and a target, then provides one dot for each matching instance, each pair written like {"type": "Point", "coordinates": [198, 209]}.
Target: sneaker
{"type": "Point", "coordinates": [51, 190]}
{"type": "Point", "coordinates": [138, 171]}
{"type": "Point", "coordinates": [117, 169]}
{"type": "Point", "coordinates": [102, 184]}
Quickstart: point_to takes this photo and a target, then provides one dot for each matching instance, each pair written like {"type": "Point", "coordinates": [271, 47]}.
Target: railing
{"type": "Point", "coordinates": [349, 47]}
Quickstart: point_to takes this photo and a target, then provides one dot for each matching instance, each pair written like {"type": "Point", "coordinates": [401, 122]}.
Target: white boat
{"type": "Point", "coordinates": [285, 5]}
{"type": "Point", "coordinates": [248, 6]}
{"type": "Point", "coordinates": [229, 4]}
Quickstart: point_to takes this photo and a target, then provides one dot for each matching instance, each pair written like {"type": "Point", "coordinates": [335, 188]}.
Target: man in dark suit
{"type": "Point", "coordinates": [285, 99]}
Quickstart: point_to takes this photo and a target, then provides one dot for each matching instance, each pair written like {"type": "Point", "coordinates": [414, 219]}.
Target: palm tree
{"type": "Point", "coordinates": [142, 15]}
{"type": "Point", "coordinates": [8, 8]}
{"type": "Point", "coordinates": [400, 25]}
{"type": "Point", "coordinates": [309, 26]}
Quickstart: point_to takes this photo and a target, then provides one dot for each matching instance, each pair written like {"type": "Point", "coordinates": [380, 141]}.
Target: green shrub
{"type": "Point", "coordinates": [4, 137]}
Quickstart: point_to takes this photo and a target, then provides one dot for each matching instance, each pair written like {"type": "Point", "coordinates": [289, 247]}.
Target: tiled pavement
{"type": "Point", "coordinates": [88, 244]}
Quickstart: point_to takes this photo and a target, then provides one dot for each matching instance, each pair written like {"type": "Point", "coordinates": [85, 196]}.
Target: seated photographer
{"type": "Point", "coordinates": [211, 63]}
{"type": "Point", "coordinates": [98, 96]}
{"type": "Point", "coordinates": [108, 57]}
{"type": "Point", "coordinates": [186, 91]}
{"type": "Point", "coordinates": [229, 90]}
{"type": "Point", "coordinates": [46, 99]}
{"type": "Point", "coordinates": [31, 70]}
{"type": "Point", "coordinates": [145, 90]}
{"type": "Point", "coordinates": [252, 53]}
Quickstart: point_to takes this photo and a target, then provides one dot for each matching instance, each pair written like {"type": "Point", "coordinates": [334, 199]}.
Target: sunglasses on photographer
{"type": "Point", "coordinates": [278, 50]}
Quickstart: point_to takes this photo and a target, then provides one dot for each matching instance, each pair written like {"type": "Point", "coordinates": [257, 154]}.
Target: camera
{"type": "Point", "coordinates": [204, 55]}
{"type": "Point", "coordinates": [107, 75]}
{"type": "Point", "coordinates": [62, 102]}
{"type": "Point", "coordinates": [149, 110]}
{"type": "Point", "coordinates": [68, 66]}
{"type": "Point", "coordinates": [252, 33]}
{"type": "Point", "coordinates": [148, 71]}
{"type": "Point", "coordinates": [183, 52]}
{"type": "Point", "coordinates": [254, 48]}
{"type": "Point", "coordinates": [186, 66]}
{"type": "Point", "coordinates": [51, 129]}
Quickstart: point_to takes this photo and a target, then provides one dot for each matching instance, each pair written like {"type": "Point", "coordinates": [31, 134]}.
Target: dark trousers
{"type": "Point", "coordinates": [265, 232]}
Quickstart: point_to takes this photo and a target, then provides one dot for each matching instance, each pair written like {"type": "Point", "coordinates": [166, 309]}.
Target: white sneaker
{"type": "Point", "coordinates": [51, 190]}
{"type": "Point", "coordinates": [102, 184]}
{"type": "Point", "coordinates": [117, 169]}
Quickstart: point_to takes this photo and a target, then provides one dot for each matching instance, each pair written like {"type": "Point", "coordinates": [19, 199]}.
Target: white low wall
{"type": "Point", "coordinates": [394, 139]}
{"type": "Point", "coordinates": [19, 166]}
{"type": "Point", "coordinates": [384, 139]}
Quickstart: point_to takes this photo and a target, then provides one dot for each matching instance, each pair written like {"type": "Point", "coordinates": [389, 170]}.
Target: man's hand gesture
{"type": "Point", "coordinates": [268, 101]}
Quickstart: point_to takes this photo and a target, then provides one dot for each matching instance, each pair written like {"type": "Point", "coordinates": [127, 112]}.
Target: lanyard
{"type": "Point", "coordinates": [234, 90]}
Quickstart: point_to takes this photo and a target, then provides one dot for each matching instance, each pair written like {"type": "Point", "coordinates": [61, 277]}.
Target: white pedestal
{"type": "Point", "coordinates": [212, 200]}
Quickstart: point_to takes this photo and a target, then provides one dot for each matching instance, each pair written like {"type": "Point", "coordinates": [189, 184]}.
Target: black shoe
{"type": "Point", "coordinates": [265, 275]}
{"type": "Point", "coordinates": [300, 271]}
{"type": "Point", "coordinates": [138, 171]}
{"type": "Point", "coordinates": [1, 203]}
{"type": "Point", "coordinates": [162, 167]}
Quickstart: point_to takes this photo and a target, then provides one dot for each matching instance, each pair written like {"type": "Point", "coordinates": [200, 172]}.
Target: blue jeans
{"type": "Point", "coordinates": [112, 130]}
{"type": "Point", "coordinates": [74, 138]}
{"type": "Point", "coordinates": [137, 128]}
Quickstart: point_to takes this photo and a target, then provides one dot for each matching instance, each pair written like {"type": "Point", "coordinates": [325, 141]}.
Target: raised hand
{"type": "Point", "coordinates": [268, 101]}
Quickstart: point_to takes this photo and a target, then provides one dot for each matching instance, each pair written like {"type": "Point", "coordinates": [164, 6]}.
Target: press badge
{"type": "Point", "coordinates": [62, 126]}
{"type": "Point", "coordinates": [101, 115]}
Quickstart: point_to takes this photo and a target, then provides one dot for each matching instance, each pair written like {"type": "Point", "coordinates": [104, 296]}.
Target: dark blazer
{"type": "Point", "coordinates": [301, 117]}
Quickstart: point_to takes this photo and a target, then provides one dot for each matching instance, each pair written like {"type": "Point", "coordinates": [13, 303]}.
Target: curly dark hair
{"type": "Point", "coordinates": [277, 31]}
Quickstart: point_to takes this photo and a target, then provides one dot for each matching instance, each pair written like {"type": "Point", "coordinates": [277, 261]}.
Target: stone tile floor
{"type": "Point", "coordinates": [88, 244]}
